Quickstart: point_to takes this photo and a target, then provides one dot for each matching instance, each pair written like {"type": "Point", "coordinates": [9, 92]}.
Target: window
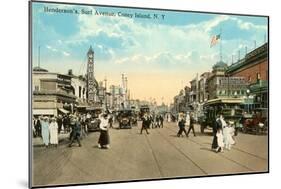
{"type": "Point", "coordinates": [36, 88]}
{"type": "Point", "coordinates": [80, 91]}
{"type": "Point", "coordinates": [258, 76]}
{"type": "Point", "coordinates": [249, 78]}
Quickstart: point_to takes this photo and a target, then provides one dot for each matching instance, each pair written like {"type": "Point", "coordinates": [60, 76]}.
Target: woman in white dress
{"type": "Point", "coordinates": [228, 133]}
{"type": "Point", "coordinates": [104, 135]}
{"type": "Point", "coordinates": [53, 128]}
{"type": "Point", "coordinates": [220, 140]}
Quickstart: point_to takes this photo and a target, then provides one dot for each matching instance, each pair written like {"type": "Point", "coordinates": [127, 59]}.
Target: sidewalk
{"type": "Point", "coordinates": [39, 142]}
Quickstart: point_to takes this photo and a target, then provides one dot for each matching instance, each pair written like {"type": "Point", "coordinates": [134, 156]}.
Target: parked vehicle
{"type": "Point", "coordinates": [257, 122]}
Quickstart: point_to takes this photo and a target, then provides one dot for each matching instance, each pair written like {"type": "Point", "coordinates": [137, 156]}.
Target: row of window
{"type": "Point", "coordinates": [231, 92]}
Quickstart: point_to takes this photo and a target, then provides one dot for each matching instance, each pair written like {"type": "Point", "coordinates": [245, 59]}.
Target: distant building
{"type": "Point", "coordinates": [202, 87]}
{"type": "Point", "coordinates": [179, 102]}
{"type": "Point", "coordinates": [220, 85]}
{"type": "Point", "coordinates": [79, 85]}
{"type": "Point", "coordinates": [92, 84]}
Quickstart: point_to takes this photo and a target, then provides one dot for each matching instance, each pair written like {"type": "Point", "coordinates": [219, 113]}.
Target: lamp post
{"type": "Point", "coordinates": [248, 93]}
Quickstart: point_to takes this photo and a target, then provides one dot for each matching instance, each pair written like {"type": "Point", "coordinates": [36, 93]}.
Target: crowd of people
{"type": "Point", "coordinates": [186, 120]}
{"type": "Point", "coordinates": [151, 121]}
{"type": "Point", "coordinates": [223, 131]}
{"type": "Point", "coordinates": [76, 125]}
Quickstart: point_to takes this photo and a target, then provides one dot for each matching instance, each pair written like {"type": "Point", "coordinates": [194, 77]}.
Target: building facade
{"type": "Point", "coordinates": [221, 85]}
{"type": "Point", "coordinates": [51, 93]}
{"type": "Point", "coordinates": [254, 68]}
{"type": "Point", "coordinates": [202, 87]}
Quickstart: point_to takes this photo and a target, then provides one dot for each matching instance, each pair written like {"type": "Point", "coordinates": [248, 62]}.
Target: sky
{"type": "Point", "coordinates": [159, 55]}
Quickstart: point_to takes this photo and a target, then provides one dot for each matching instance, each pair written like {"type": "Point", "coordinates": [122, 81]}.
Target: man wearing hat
{"type": "Point", "coordinates": [191, 125]}
{"type": "Point", "coordinates": [76, 131]}
{"type": "Point", "coordinates": [145, 123]}
{"type": "Point", "coordinates": [181, 124]}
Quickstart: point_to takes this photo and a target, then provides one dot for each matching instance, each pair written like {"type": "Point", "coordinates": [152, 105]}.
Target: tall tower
{"type": "Point", "coordinates": [90, 77]}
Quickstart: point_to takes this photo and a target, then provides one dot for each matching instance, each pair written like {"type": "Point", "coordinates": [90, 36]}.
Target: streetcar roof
{"type": "Point", "coordinates": [224, 101]}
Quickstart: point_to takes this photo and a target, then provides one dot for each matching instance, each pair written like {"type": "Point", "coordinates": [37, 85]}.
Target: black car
{"type": "Point", "coordinates": [125, 118]}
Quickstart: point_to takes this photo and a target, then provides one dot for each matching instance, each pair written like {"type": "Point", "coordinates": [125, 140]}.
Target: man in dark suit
{"type": "Point", "coordinates": [191, 125]}
{"type": "Point", "coordinates": [181, 124]}
{"type": "Point", "coordinates": [145, 123]}
{"type": "Point", "coordinates": [216, 125]}
{"type": "Point", "coordinates": [37, 126]}
{"type": "Point", "coordinates": [76, 131]}
{"type": "Point", "coordinates": [59, 121]}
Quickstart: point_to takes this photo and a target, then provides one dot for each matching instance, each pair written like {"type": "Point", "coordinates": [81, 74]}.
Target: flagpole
{"type": "Point", "coordinates": [220, 45]}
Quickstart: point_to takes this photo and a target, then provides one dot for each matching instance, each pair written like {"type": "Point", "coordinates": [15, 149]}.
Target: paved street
{"type": "Point", "coordinates": [157, 155]}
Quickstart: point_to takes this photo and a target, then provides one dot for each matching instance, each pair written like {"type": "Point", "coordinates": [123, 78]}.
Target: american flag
{"type": "Point", "coordinates": [215, 39]}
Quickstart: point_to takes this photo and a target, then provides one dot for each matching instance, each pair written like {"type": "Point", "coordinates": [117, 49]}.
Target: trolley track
{"type": "Point", "coordinates": [224, 156]}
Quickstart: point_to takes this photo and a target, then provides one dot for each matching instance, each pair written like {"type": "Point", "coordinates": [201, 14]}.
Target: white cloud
{"type": "Point", "coordinates": [65, 53]}
{"type": "Point", "coordinates": [248, 25]}
{"type": "Point", "coordinates": [55, 50]}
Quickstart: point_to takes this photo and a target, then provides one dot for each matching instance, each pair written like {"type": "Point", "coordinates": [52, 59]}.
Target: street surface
{"type": "Point", "coordinates": [157, 155]}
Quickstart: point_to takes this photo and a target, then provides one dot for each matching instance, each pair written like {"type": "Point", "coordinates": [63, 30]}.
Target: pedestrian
{"type": "Point", "coordinates": [191, 125]}
{"type": "Point", "coordinates": [33, 127]}
{"type": "Point", "coordinates": [145, 123]}
{"type": "Point", "coordinates": [216, 125]}
{"type": "Point", "coordinates": [45, 131]}
{"type": "Point", "coordinates": [181, 125]}
{"type": "Point", "coordinates": [157, 120]}
{"type": "Point", "coordinates": [104, 135]}
{"type": "Point", "coordinates": [53, 128]}
{"type": "Point", "coordinates": [228, 132]}
{"type": "Point", "coordinates": [37, 126]}
{"type": "Point", "coordinates": [59, 121]}
{"type": "Point", "coordinates": [220, 140]}
{"type": "Point", "coordinates": [75, 131]}
{"type": "Point", "coordinates": [110, 121]}
{"type": "Point", "coordinates": [151, 122]}
{"type": "Point", "coordinates": [66, 122]}
{"type": "Point", "coordinates": [161, 121]}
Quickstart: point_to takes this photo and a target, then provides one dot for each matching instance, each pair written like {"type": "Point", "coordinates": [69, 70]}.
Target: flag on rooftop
{"type": "Point", "coordinates": [215, 39]}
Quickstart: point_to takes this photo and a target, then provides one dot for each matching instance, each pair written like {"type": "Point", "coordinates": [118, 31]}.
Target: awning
{"type": "Point", "coordinates": [43, 111]}
{"type": "Point", "coordinates": [63, 110]}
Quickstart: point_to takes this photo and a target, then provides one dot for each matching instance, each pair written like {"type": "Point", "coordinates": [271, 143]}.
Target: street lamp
{"type": "Point", "coordinates": [248, 93]}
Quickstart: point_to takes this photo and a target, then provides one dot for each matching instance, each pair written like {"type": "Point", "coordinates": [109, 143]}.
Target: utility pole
{"type": "Point", "coordinates": [220, 44]}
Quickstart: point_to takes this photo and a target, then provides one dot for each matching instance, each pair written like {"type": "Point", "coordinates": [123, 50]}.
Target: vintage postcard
{"type": "Point", "coordinates": [122, 94]}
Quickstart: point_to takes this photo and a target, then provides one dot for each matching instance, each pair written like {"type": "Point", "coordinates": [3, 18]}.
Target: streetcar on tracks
{"type": "Point", "coordinates": [228, 107]}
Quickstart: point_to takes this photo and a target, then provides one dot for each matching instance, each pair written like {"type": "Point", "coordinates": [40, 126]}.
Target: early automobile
{"type": "Point", "coordinates": [92, 120]}
{"type": "Point", "coordinates": [124, 118]}
{"type": "Point", "coordinates": [257, 122]}
{"type": "Point", "coordinates": [229, 108]}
